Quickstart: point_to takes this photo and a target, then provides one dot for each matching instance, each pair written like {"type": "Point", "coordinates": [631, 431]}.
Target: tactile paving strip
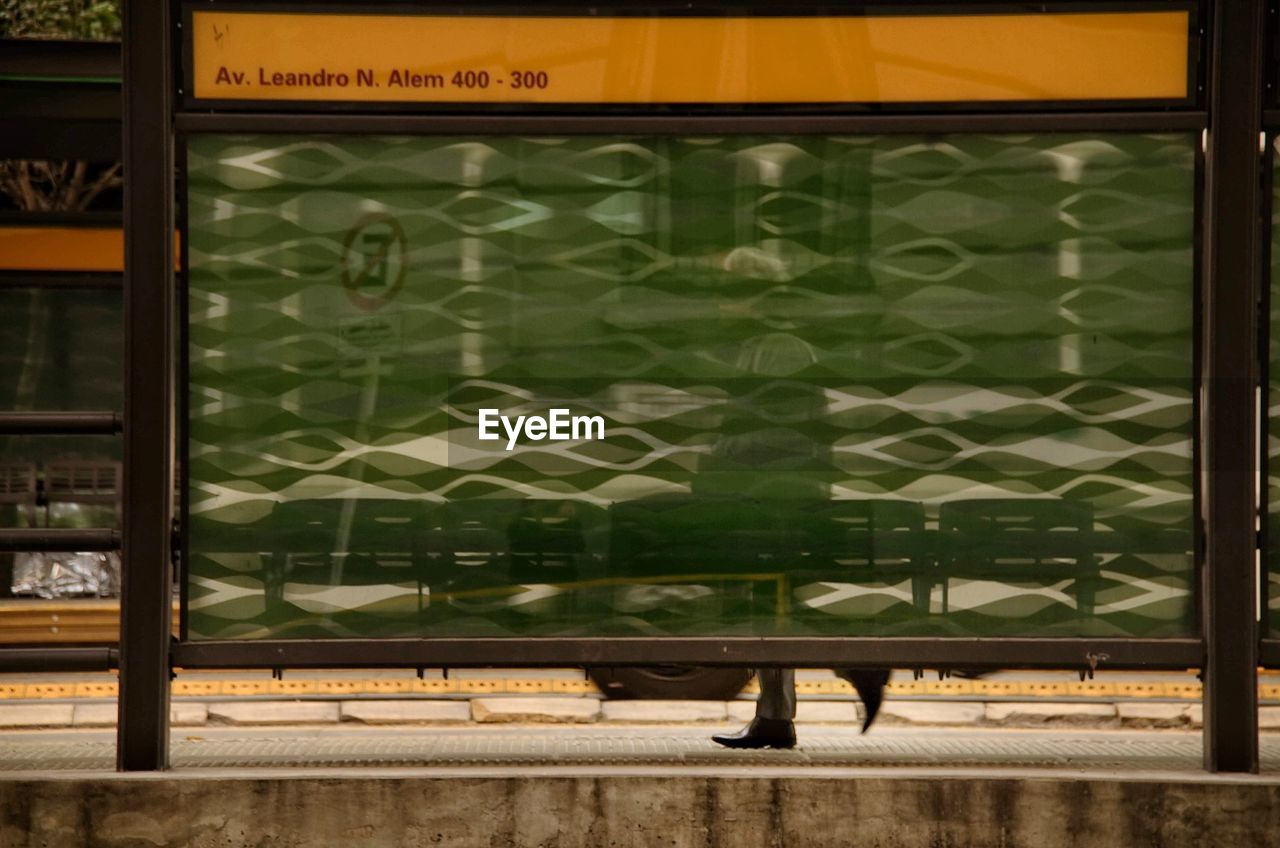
{"type": "Point", "coordinates": [1072, 751]}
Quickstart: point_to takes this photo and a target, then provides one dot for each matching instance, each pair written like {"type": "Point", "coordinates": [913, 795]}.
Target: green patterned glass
{"type": "Point", "coordinates": [1271, 622]}
{"type": "Point", "coordinates": [876, 385]}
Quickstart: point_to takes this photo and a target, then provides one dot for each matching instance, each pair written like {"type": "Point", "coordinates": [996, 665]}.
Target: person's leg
{"type": "Point", "coordinates": [869, 684]}
{"type": "Point", "coordinates": [777, 694]}
{"type": "Point", "coordinates": [776, 707]}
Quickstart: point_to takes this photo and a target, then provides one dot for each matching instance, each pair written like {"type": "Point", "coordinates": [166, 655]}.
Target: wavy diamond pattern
{"type": "Point", "coordinates": [853, 385]}
{"type": "Point", "coordinates": [1272, 589]}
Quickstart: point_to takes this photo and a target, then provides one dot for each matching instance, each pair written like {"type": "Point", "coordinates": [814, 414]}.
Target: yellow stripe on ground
{"type": "Point", "coordinates": [392, 687]}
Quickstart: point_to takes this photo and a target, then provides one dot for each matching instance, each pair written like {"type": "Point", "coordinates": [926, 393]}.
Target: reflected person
{"type": "Point", "coordinates": [767, 452]}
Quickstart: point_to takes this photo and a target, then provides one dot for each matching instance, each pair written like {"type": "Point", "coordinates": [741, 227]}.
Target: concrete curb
{"type": "Point", "coordinates": [517, 709]}
{"type": "Point", "coordinates": [568, 708]}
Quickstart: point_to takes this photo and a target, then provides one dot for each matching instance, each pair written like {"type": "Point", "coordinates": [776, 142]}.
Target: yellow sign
{"type": "Point", "coordinates": [887, 59]}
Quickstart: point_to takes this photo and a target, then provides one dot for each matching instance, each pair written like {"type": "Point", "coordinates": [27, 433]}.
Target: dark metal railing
{"type": "Point", "coordinates": [1230, 251]}
{"type": "Point", "coordinates": [60, 423]}
{"type": "Point", "coordinates": [59, 539]}
{"type": "Point", "coordinates": [20, 660]}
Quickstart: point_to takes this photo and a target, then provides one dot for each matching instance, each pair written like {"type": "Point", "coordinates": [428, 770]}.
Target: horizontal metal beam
{"type": "Point", "coordinates": [61, 279]}
{"type": "Point", "coordinates": [93, 140]}
{"type": "Point", "coordinates": [863, 651]}
{"type": "Point", "coordinates": [14, 660]}
{"type": "Point", "coordinates": [43, 58]}
{"type": "Point", "coordinates": [1269, 653]}
{"type": "Point", "coordinates": [633, 124]}
{"type": "Point", "coordinates": [60, 423]}
{"type": "Point", "coordinates": [59, 539]}
{"type": "Point", "coordinates": [104, 219]}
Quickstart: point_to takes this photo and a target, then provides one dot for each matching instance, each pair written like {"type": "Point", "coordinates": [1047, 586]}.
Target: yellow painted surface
{"type": "Point", "coordinates": [880, 59]}
{"type": "Point", "coordinates": [62, 249]}
{"type": "Point", "coordinates": [232, 686]}
{"type": "Point", "coordinates": [86, 621]}
{"type": "Point", "coordinates": [74, 249]}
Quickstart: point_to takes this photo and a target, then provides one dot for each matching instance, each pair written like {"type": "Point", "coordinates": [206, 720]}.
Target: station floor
{"type": "Point", "coordinates": [1059, 749]}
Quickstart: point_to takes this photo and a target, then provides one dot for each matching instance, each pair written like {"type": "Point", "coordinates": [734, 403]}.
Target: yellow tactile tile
{"type": "Point", "coordinates": [816, 687]}
{"type": "Point", "coordinates": [391, 687]}
{"type": "Point", "coordinates": [291, 687]}
{"type": "Point", "coordinates": [197, 687]}
{"type": "Point", "coordinates": [246, 687]}
{"type": "Point", "coordinates": [948, 687]}
{"type": "Point", "coordinates": [339, 687]}
{"type": "Point", "coordinates": [434, 687]}
{"type": "Point", "coordinates": [906, 687]}
{"type": "Point", "coordinates": [107, 689]}
{"type": "Point", "coordinates": [388, 687]}
{"type": "Point", "coordinates": [578, 687]}
{"type": "Point", "coordinates": [1093, 689]}
{"type": "Point", "coordinates": [481, 686]}
{"type": "Point", "coordinates": [529, 686]}
{"type": "Point", "coordinates": [1140, 690]}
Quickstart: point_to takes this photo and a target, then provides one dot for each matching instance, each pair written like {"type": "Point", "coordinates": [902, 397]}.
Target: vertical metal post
{"type": "Point", "coordinates": [146, 596]}
{"type": "Point", "coordinates": [1232, 251]}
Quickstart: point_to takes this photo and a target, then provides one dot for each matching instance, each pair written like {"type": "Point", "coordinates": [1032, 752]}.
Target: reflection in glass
{"type": "Point", "coordinates": [852, 385]}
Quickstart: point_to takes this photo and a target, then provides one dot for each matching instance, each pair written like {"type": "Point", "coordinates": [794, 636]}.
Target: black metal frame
{"type": "Point", "coordinates": [650, 124]}
{"type": "Point", "coordinates": [1233, 230]}
{"type": "Point", "coordinates": [59, 539]}
{"type": "Point", "coordinates": [61, 100]}
{"type": "Point", "coordinates": [1229, 290]}
{"type": "Point", "coordinates": [1269, 644]}
{"type": "Point", "coordinates": [27, 660]}
{"type": "Point", "coordinates": [60, 423]}
{"type": "Point", "coordinates": [1084, 655]}
{"type": "Point", "coordinates": [146, 593]}
{"type": "Point", "coordinates": [698, 8]}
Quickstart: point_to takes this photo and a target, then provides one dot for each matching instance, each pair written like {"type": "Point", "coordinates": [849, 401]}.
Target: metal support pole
{"type": "Point", "coordinates": [44, 660]}
{"type": "Point", "coordinates": [143, 728]}
{"type": "Point", "coordinates": [59, 423]}
{"type": "Point", "coordinates": [1232, 249]}
{"type": "Point", "coordinates": [59, 539]}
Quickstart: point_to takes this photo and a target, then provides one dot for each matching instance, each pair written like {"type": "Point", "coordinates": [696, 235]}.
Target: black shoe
{"type": "Point", "coordinates": [760, 733]}
{"type": "Point", "coordinates": [869, 683]}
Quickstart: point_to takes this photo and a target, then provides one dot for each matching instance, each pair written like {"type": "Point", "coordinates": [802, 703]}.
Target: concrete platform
{"type": "Point", "coordinates": [356, 745]}
{"type": "Point", "coordinates": [642, 785]}
{"type": "Point", "coordinates": [640, 806]}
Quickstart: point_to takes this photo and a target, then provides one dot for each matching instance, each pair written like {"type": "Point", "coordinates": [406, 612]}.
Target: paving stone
{"type": "Point", "coordinates": [1269, 718]}
{"type": "Point", "coordinates": [405, 711]}
{"type": "Point", "coordinates": [35, 715]}
{"type": "Point", "coordinates": [105, 715]}
{"type": "Point", "coordinates": [274, 712]}
{"type": "Point", "coordinates": [95, 715]}
{"type": "Point", "coordinates": [188, 713]}
{"type": "Point", "coordinates": [923, 712]}
{"type": "Point", "coordinates": [1195, 714]}
{"type": "Point", "coordinates": [828, 712]}
{"type": "Point", "coordinates": [664, 711]}
{"type": "Point", "coordinates": [557, 710]}
{"type": "Point", "coordinates": [1138, 714]}
{"type": "Point", "coordinates": [1040, 712]}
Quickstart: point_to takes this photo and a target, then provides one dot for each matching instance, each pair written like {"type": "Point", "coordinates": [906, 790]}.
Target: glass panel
{"type": "Point", "coordinates": [60, 349]}
{"type": "Point", "coordinates": [848, 385]}
{"type": "Point", "coordinates": [1272, 572]}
